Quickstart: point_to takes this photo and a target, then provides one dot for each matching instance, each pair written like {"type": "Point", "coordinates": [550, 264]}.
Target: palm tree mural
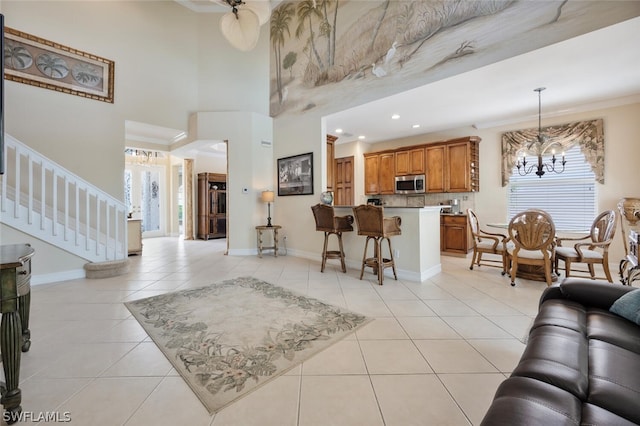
{"type": "Point", "coordinates": [280, 20]}
{"type": "Point", "coordinates": [306, 10]}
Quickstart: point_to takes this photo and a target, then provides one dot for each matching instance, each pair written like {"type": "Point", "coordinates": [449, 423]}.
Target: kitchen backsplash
{"type": "Point", "coordinates": [466, 200]}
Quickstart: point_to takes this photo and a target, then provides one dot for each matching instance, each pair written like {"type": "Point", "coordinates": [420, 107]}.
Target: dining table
{"type": "Point", "coordinates": [536, 272]}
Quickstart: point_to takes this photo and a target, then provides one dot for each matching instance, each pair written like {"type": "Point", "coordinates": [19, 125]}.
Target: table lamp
{"type": "Point", "coordinates": [267, 197]}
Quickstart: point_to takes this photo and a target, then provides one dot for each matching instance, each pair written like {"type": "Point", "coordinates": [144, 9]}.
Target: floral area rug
{"type": "Point", "coordinates": [229, 338]}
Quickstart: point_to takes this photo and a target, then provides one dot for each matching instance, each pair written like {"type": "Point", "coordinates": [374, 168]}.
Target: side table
{"type": "Point", "coordinates": [274, 247]}
{"type": "Point", "coordinates": [15, 301]}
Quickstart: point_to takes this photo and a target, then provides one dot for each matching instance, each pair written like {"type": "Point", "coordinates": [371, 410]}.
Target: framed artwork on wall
{"type": "Point", "coordinates": [295, 175]}
{"type": "Point", "coordinates": [38, 62]}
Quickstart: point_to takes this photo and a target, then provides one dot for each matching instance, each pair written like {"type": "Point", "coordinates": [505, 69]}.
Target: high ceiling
{"type": "Point", "coordinates": [598, 69]}
{"type": "Point", "coordinates": [595, 70]}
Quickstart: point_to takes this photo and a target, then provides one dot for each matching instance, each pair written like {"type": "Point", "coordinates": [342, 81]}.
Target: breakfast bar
{"type": "Point", "coordinates": [416, 250]}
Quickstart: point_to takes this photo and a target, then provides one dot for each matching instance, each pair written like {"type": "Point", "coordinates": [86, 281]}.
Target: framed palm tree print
{"type": "Point", "coordinates": [33, 60]}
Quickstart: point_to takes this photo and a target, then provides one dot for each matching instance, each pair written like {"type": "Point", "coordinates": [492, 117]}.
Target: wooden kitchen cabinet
{"type": "Point", "coordinates": [410, 162]}
{"type": "Point", "coordinates": [379, 173]}
{"type": "Point", "coordinates": [436, 160]}
{"type": "Point", "coordinates": [453, 166]}
{"type": "Point", "coordinates": [455, 237]}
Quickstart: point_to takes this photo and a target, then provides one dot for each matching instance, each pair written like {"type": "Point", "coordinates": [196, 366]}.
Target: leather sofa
{"type": "Point", "coordinates": [581, 364]}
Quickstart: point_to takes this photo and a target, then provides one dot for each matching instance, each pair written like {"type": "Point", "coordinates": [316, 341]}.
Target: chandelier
{"type": "Point", "coordinates": [241, 26]}
{"type": "Point", "coordinates": [539, 148]}
{"type": "Point", "coordinates": [142, 157]}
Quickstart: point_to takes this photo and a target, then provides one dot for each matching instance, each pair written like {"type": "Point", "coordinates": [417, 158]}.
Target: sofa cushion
{"type": "Point", "coordinates": [614, 379]}
{"type": "Point", "coordinates": [562, 313]}
{"type": "Point", "coordinates": [525, 401]}
{"type": "Point", "coordinates": [628, 306]}
{"type": "Point", "coordinates": [608, 327]}
{"type": "Point", "coordinates": [594, 415]}
{"type": "Point", "coordinates": [558, 356]}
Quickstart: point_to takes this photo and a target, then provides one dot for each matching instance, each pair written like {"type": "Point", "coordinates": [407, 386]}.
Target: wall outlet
{"type": "Point", "coordinates": [284, 238]}
{"type": "Point", "coordinates": [396, 254]}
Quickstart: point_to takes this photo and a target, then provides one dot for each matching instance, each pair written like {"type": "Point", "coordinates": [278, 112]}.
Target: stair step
{"type": "Point", "coordinates": [112, 268]}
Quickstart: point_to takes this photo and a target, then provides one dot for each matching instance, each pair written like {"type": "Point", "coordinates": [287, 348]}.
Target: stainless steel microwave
{"type": "Point", "coordinates": [413, 184]}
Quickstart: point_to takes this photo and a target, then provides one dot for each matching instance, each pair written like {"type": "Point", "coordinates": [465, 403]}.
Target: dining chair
{"type": "Point", "coordinates": [330, 224]}
{"type": "Point", "coordinates": [532, 233]}
{"type": "Point", "coordinates": [372, 223]}
{"type": "Point", "coordinates": [590, 250]}
{"type": "Point", "coordinates": [486, 243]}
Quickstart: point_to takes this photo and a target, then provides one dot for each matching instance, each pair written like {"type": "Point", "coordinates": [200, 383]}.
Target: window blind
{"type": "Point", "coordinates": [570, 197]}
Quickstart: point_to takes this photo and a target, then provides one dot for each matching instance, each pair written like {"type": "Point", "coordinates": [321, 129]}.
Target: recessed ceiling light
{"type": "Point", "coordinates": [361, 137]}
{"type": "Point", "coordinates": [415, 126]}
{"type": "Point", "coordinates": [339, 130]}
{"type": "Point", "coordinates": [395, 116]}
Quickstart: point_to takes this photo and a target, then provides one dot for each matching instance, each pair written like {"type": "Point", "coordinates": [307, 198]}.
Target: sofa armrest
{"type": "Point", "coordinates": [586, 292]}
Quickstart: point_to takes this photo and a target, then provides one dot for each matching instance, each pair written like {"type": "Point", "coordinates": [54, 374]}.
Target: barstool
{"type": "Point", "coordinates": [372, 223]}
{"type": "Point", "coordinates": [328, 223]}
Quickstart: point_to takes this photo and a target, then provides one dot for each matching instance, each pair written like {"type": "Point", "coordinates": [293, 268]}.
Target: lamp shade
{"type": "Point", "coordinates": [241, 32]}
{"type": "Point", "coordinates": [267, 196]}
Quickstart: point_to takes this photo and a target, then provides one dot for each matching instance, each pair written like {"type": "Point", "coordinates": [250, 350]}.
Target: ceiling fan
{"type": "Point", "coordinates": [241, 25]}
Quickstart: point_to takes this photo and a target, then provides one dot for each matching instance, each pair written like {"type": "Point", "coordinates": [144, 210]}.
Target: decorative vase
{"type": "Point", "coordinates": [326, 197]}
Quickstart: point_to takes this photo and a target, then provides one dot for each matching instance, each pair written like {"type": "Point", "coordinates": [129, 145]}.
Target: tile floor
{"type": "Point", "coordinates": [434, 355]}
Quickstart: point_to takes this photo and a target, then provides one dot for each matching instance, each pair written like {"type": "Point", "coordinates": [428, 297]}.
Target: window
{"type": "Point", "coordinates": [570, 197]}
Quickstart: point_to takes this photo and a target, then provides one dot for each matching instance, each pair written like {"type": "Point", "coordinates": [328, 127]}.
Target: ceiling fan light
{"type": "Point", "coordinates": [241, 32]}
{"type": "Point", "coordinates": [262, 8]}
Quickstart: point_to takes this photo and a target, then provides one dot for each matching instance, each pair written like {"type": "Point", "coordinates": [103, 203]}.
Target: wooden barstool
{"type": "Point", "coordinates": [372, 223]}
{"type": "Point", "coordinates": [328, 223]}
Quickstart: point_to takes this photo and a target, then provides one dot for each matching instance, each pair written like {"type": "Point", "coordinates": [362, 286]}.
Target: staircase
{"type": "Point", "coordinates": [43, 199]}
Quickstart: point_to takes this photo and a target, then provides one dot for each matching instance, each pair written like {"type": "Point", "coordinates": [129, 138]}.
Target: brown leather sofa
{"type": "Point", "coordinates": [581, 364]}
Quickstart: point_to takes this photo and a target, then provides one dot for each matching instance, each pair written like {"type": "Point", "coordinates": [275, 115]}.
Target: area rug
{"type": "Point", "coordinates": [229, 338]}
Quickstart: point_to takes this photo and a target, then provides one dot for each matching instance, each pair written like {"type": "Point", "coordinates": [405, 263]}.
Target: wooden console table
{"type": "Point", "coordinates": [274, 247]}
{"type": "Point", "coordinates": [15, 304]}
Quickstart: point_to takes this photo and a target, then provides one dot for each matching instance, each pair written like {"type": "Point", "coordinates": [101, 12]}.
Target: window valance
{"type": "Point", "coordinates": [589, 135]}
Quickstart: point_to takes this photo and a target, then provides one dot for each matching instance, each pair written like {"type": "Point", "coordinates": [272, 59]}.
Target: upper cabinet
{"type": "Point", "coordinates": [453, 166]}
{"type": "Point", "coordinates": [449, 166]}
{"type": "Point", "coordinates": [410, 162]}
{"type": "Point", "coordinates": [379, 173]}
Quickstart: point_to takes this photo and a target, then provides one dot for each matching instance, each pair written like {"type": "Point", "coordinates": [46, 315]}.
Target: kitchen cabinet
{"type": "Point", "coordinates": [331, 162]}
{"type": "Point", "coordinates": [410, 162]}
{"type": "Point", "coordinates": [453, 166]}
{"type": "Point", "coordinates": [212, 205]}
{"type": "Point", "coordinates": [455, 237]}
{"type": "Point", "coordinates": [379, 173]}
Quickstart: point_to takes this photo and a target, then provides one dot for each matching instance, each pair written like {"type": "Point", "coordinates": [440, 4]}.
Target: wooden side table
{"type": "Point", "coordinates": [15, 301]}
{"type": "Point", "coordinates": [274, 247]}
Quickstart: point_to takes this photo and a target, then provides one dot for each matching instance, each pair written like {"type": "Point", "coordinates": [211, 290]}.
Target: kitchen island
{"type": "Point", "coordinates": [416, 251]}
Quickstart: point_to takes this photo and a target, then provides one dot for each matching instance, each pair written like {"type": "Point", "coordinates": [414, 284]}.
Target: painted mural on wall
{"type": "Point", "coordinates": [329, 55]}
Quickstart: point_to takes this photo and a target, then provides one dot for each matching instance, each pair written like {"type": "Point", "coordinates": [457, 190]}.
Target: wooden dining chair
{"type": "Point", "coordinates": [591, 250]}
{"type": "Point", "coordinates": [486, 243]}
{"type": "Point", "coordinates": [532, 233]}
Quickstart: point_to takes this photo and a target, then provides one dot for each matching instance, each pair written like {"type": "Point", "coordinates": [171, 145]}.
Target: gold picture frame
{"type": "Point", "coordinates": [38, 62]}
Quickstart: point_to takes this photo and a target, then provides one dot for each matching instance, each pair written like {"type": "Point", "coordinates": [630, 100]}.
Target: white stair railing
{"type": "Point", "coordinates": [43, 199]}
